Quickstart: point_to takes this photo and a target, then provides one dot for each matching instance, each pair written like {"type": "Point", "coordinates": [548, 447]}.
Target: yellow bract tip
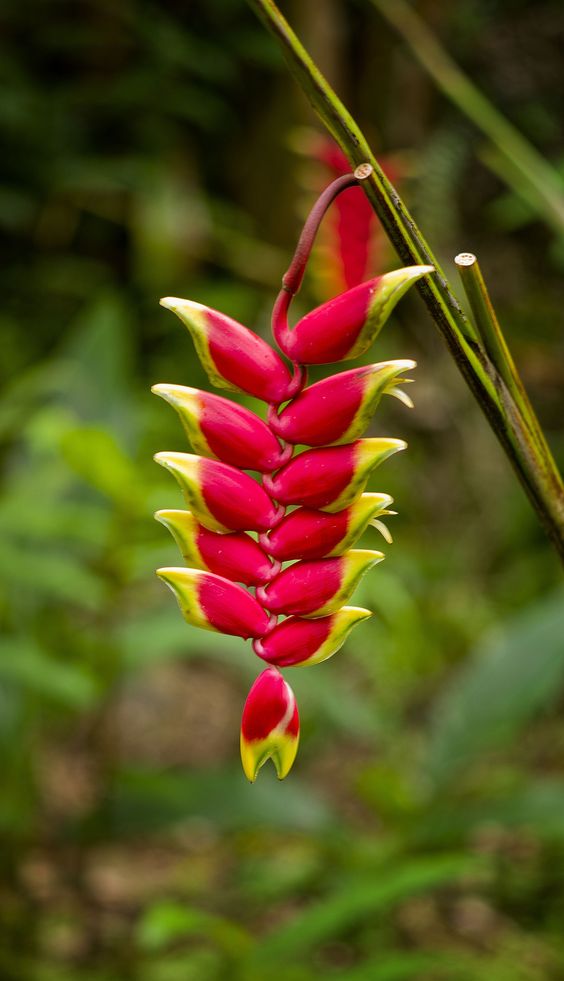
{"type": "Point", "coordinates": [176, 304]}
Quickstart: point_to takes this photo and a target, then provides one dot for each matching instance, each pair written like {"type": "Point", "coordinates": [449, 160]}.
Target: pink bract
{"type": "Point", "coordinates": [307, 534]}
{"type": "Point", "coordinates": [236, 556]}
{"type": "Point", "coordinates": [246, 360]}
{"type": "Point", "coordinates": [314, 478]}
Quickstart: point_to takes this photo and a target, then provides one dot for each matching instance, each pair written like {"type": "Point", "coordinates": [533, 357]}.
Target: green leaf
{"type": "Point", "coordinates": [70, 521]}
{"type": "Point", "coordinates": [96, 457]}
{"type": "Point", "coordinates": [37, 575]}
{"type": "Point", "coordinates": [356, 900]}
{"type": "Point", "coordinates": [537, 807]}
{"type": "Point", "coordinates": [198, 964]}
{"type": "Point", "coordinates": [507, 680]}
{"type": "Point", "coordinates": [29, 667]}
{"type": "Point", "coordinates": [394, 965]}
{"type": "Point", "coordinates": [168, 921]}
{"type": "Point", "coordinates": [99, 348]}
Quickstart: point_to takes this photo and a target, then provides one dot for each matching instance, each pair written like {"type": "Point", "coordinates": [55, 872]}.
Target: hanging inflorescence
{"type": "Point", "coordinates": [323, 485]}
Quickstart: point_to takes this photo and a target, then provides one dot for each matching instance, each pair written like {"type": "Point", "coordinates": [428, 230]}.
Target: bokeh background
{"type": "Point", "coordinates": [161, 148]}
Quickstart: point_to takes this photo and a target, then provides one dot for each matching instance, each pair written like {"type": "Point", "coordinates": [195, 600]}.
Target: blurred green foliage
{"type": "Point", "coordinates": [421, 835]}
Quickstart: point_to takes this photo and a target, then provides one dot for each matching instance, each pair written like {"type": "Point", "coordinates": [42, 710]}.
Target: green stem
{"type": "Point", "coordinates": [531, 176]}
{"type": "Point", "coordinates": [536, 469]}
{"type": "Point", "coordinates": [488, 325]}
{"type": "Point", "coordinates": [495, 344]}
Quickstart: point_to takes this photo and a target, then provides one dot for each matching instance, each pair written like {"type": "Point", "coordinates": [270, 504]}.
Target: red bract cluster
{"type": "Point", "coordinates": [326, 482]}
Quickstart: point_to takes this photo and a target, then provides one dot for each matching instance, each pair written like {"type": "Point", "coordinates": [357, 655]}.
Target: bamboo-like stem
{"type": "Point", "coordinates": [496, 346]}
{"type": "Point", "coordinates": [488, 325]}
{"type": "Point", "coordinates": [531, 176]}
{"type": "Point", "coordinates": [535, 468]}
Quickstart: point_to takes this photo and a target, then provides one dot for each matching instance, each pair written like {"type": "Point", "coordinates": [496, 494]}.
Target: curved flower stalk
{"type": "Point", "coordinates": [326, 481]}
{"type": "Point", "coordinates": [352, 242]}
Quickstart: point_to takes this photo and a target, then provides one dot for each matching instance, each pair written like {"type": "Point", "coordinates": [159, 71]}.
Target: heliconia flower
{"type": "Point", "coordinates": [215, 603]}
{"type": "Point", "coordinates": [221, 497]}
{"type": "Point", "coordinates": [270, 726]}
{"type": "Point", "coordinates": [326, 481]}
{"type": "Point", "coordinates": [232, 355]}
{"type": "Point", "coordinates": [235, 556]}
{"type": "Point", "coordinates": [298, 642]}
{"type": "Point", "coordinates": [309, 534]}
{"type": "Point", "coordinates": [333, 477]}
{"type": "Point", "coordinates": [219, 428]}
{"type": "Point", "coordinates": [346, 326]}
{"type": "Point", "coordinates": [338, 409]}
{"type": "Point", "coordinates": [318, 587]}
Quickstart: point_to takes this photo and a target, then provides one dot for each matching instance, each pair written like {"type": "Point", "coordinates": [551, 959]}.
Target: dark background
{"type": "Point", "coordinates": [154, 149]}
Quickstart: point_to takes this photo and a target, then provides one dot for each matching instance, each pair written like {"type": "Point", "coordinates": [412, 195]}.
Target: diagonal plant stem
{"type": "Point", "coordinates": [532, 177]}
{"type": "Point", "coordinates": [532, 461]}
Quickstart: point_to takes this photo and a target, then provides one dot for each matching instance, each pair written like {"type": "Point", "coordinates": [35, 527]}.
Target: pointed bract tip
{"type": "Point", "coordinates": [170, 302]}
{"type": "Point", "coordinates": [176, 303]}
{"type": "Point", "coordinates": [382, 444]}
{"type": "Point", "coordinates": [179, 396]}
{"type": "Point", "coordinates": [394, 366]}
{"type": "Point", "coordinates": [174, 458]}
{"type": "Point", "coordinates": [183, 465]}
{"type": "Point", "coordinates": [366, 552]}
{"type": "Point", "coordinates": [167, 516]}
{"type": "Point", "coordinates": [163, 458]}
{"type": "Point", "coordinates": [357, 612]}
{"type": "Point", "coordinates": [168, 389]}
{"type": "Point", "coordinates": [170, 575]}
{"type": "Point", "coordinates": [405, 364]}
{"type": "Point", "coordinates": [399, 280]}
{"type": "Point", "coordinates": [420, 270]}
{"type": "Point", "coordinates": [376, 500]}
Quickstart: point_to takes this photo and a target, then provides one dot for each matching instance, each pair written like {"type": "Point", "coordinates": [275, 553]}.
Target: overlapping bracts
{"type": "Point", "coordinates": [326, 481]}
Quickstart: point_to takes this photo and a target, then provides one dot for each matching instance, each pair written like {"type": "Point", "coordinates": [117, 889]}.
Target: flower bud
{"type": "Point", "coordinates": [309, 534]}
{"type": "Point", "coordinates": [214, 603]}
{"type": "Point", "coordinates": [333, 477]}
{"type": "Point", "coordinates": [338, 409]}
{"type": "Point", "coordinates": [346, 326]}
{"type": "Point", "coordinates": [297, 642]}
{"type": "Point", "coordinates": [221, 497]}
{"type": "Point", "coordinates": [235, 556]}
{"type": "Point", "coordinates": [219, 428]}
{"type": "Point", "coordinates": [315, 588]}
{"type": "Point", "coordinates": [232, 355]}
{"type": "Point", "coordinates": [270, 726]}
